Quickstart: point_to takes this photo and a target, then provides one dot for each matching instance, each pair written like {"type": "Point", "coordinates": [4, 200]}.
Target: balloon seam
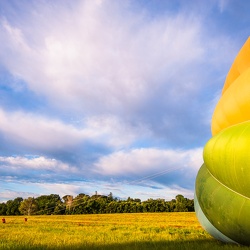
{"type": "Point", "coordinates": [227, 186]}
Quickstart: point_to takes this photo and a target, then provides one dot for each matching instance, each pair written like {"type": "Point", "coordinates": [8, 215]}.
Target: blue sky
{"type": "Point", "coordinates": [111, 96]}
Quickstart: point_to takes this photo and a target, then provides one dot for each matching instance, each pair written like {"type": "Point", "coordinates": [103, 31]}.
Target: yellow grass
{"type": "Point", "coordinates": [107, 231]}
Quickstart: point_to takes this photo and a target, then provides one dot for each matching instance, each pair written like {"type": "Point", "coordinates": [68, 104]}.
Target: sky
{"type": "Point", "coordinates": [111, 95]}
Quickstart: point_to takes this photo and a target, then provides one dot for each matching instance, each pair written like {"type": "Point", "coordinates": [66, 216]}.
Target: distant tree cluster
{"type": "Point", "coordinates": [95, 204]}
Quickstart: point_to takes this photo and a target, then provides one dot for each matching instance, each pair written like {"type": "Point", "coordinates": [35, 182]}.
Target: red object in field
{"type": "Point", "coordinates": [25, 219]}
{"type": "Point", "coordinates": [3, 220]}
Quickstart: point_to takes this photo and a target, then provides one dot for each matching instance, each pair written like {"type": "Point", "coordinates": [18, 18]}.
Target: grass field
{"type": "Point", "coordinates": [176, 231]}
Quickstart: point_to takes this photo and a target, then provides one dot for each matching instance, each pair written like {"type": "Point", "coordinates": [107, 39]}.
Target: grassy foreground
{"type": "Point", "coordinates": [176, 231]}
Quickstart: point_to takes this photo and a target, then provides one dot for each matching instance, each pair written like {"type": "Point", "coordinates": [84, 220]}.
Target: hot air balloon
{"type": "Point", "coordinates": [222, 188]}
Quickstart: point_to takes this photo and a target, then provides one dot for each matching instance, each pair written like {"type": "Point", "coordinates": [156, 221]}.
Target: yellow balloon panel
{"type": "Point", "coordinates": [240, 64]}
{"type": "Point", "coordinates": [234, 105]}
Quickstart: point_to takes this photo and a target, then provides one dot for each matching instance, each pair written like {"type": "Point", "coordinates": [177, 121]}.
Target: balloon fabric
{"type": "Point", "coordinates": [222, 188]}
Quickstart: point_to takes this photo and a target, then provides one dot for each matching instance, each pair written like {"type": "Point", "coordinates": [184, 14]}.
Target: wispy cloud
{"type": "Point", "coordinates": [99, 60]}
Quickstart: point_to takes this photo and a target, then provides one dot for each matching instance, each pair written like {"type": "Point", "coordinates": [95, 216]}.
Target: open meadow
{"type": "Point", "coordinates": [108, 231]}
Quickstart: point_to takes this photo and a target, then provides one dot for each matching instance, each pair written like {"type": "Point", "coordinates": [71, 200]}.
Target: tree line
{"type": "Point", "coordinates": [95, 204]}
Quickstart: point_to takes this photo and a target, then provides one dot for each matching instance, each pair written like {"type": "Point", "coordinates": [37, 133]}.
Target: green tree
{"type": "Point", "coordinates": [60, 208]}
{"type": "Point", "coordinates": [103, 203]}
{"type": "Point", "coordinates": [79, 204]}
{"type": "Point", "coordinates": [48, 203]}
{"type": "Point", "coordinates": [13, 206]}
{"type": "Point", "coordinates": [111, 207]}
{"type": "Point", "coordinates": [85, 204]}
{"type": "Point", "coordinates": [28, 206]}
{"type": "Point", "coordinates": [181, 204]}
{"type": "Point", "coordinates": [190, 205]}
{"type": "Point", "coordinates": [172, 205]}
{"type": "Point", "coordinates": [3, 208]}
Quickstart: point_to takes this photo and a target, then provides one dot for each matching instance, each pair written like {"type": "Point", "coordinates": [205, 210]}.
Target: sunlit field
{"type": "Point", "coordinates": [108, 231]}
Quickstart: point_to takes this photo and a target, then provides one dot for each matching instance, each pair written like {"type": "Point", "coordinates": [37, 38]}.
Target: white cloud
{"type": "Point", "coordinates": [104, 62]}
{"type": "Point", "coordinates": [101, 57]}
{"type": "Point", "coordinates": [35, 131]}
{"type": "Point", "coordinates": [135, 172]}
{"type": "Point", "coordinates": [114, 131]}
{"type": "Point", "coordinates": [148, 160]}
{"type": "Point", "coordinates": [35, 163]}
{"type": "Point", "coordinates": [39, 132]}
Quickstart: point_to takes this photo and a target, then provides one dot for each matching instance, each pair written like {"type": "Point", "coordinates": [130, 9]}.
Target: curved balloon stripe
{"type": "Point", "coordinates": [222, 199]}
{"type": "Point", "coordinates": [227, 157]}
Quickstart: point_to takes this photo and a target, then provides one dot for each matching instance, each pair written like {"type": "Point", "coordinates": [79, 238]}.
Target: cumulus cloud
{"type": "Point", "coordinates": [148, 161]}
{"type": "Point", "coordinates": [144, 170]}
{"type": "Point", "coordinates": [44, 134]}
{"type": "Point", "coordinates": [35, 169]}
{"type": "Point", "coordinates": [35, 131]}
{"type": "Point", "coordinates": [35, 163]}
{"type": "Point", "coordinates": [151, 167]}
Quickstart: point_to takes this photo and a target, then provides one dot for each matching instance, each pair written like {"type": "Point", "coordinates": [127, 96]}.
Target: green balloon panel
{"type": "Point", "coordinates": [227, 157]}
{"type": "Point", "coordinates": [227, 211]}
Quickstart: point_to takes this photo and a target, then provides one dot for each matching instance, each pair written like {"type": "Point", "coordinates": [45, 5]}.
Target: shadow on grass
{"type": "Point", "coordinates": [202, 244]}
